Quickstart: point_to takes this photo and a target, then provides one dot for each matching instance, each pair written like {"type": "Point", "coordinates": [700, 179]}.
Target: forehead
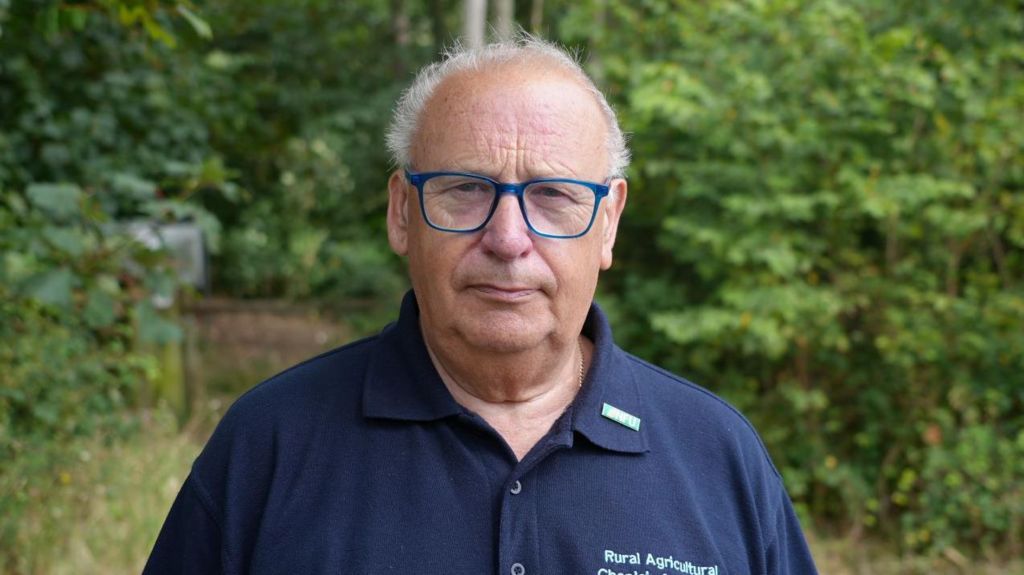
{"type": "Point", "coordinates": [513, 121]}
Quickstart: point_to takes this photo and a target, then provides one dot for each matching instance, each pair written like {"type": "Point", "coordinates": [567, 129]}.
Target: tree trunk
{"type": "Point", "coordinates": [537, 16]}
{"type": "Point", "coordinates": [474, 23]}
{"type": "Point", "coordinates": [504, 18]}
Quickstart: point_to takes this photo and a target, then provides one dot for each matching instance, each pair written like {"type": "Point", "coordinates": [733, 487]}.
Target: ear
{"type": "Point", "coordinates": [398, 213]}
{"type": "Point", "coordinates": [612, 208]}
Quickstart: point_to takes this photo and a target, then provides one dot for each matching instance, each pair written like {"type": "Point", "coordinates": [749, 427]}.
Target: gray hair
{"type": "Point", "coordinates": [406, 117]}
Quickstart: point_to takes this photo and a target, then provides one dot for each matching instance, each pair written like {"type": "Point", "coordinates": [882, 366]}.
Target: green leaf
{"type": "Point", "coordinates": [52, 287]}
{"type": "Point", "coordinates": [160, 283]}
{"type": "Point", "coordinates": [99, 308]}
{"type": "Point", "coordinates": [153, 327]}
{"type": "Point", "coordinates": [62, 201]}
{"type": "Point", "coordinates": [133, 186]}
{"type": "Point", "coordinates": [198, 24]}
{"type": "Point", "coordinates": [178, 169]}
{"type": "Point", "coordinates": [108, 284]}
{"type": "Point", "coordinates": [46, 412]}
{"type": "Point", "coordinates": [68, 241]}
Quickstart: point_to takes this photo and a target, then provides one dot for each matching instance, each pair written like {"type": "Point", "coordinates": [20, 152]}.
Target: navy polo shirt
{"type": "Point", "coordinates": [360, 461]}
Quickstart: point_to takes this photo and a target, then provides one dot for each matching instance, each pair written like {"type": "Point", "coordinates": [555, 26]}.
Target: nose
{"type": "Point", "coordinates": [506, 235]}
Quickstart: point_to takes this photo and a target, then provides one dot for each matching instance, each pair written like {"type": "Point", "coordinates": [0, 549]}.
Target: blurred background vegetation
{"type": "Point", "coordinates": [826, 227]}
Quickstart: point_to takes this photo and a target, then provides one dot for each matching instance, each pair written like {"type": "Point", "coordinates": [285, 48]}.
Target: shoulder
{"type": "Point", "coordinates": [277, 424]}
{"type": "Point", "coordinates": [702, 437]}
{"type": "Point", "coordinates": [310, 384]}
{"type": "Point", "coordinates": [684, 412]}
{"type": "Point", "coordinates": [285, 413]}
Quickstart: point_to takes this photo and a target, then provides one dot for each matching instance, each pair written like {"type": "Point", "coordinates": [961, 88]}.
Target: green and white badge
{"type": "Point", "coordinates": [621, 417]}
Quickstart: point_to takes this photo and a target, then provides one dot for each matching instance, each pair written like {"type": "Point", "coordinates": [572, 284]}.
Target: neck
{"type": "Point", "coordinates": [519, 394]}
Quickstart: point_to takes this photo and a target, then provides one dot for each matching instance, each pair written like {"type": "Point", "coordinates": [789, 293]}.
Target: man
{"type": "Point", "coordinates": [495, 428]}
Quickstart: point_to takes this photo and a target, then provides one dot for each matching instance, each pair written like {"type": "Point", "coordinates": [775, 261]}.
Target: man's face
{"type": "Point", "coordinates": [503, 288]}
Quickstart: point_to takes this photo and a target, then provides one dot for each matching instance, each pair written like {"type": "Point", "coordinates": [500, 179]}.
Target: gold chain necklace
{"type": "Point", "coordinates": [580, 347]}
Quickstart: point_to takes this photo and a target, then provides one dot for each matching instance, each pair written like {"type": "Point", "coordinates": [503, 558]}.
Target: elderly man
{"type": "Point", "coordinates": [496, 427]}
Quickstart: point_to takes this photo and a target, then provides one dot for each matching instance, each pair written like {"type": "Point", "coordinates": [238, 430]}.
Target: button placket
{"type": "Point", "coordinates": [518, 540]}
{"type": "Point", "coordinates": [518, 530]}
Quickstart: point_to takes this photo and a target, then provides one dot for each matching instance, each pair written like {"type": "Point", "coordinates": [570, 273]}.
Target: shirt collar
{"type": "Point", "coordinates": [610, 381]}
{"type": "Point", "coordinates": [401, 382]}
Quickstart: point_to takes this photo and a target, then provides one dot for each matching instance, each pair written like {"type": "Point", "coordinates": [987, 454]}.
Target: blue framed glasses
{"type": "Point", "coordinates": [461, 202]}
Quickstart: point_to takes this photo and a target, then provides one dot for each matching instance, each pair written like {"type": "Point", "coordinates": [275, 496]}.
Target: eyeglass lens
{"type": "Point", "coordinates": [461, 203]}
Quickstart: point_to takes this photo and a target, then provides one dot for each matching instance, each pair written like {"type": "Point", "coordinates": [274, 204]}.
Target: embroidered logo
{"type": "Point", "coordinates": [664, 565]}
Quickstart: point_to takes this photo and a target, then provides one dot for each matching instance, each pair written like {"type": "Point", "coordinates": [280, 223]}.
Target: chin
{"type": "Point", "coordinates": [504, 332]}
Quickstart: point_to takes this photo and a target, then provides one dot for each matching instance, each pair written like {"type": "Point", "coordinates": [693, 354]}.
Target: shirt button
{"type": "Point", "coordinates": [516, 488]}
{"type": "Point", "coordinates": [518, 569]}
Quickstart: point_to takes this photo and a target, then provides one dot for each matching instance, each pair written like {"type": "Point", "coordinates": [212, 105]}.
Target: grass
{"type": "Point", "coordinates": [102, 512]}
{"type": "Point", "coordinates": [844, 557]}
{"type": "Point", "coordinates": [135, 487]}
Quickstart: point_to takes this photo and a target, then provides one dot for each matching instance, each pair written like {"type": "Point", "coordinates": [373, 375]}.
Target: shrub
{"type": "Point", "coordinates": [833, 190]}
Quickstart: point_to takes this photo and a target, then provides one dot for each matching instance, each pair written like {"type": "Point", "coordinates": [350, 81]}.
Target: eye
{"type": "Point", "coordinates": [556, 194]}
{"type": "Point", "coordinates": [549, 192]}
{"type": "Point", "coordinates": [470, 187]}
{"type": "Point", "coordinates": [460, 187]}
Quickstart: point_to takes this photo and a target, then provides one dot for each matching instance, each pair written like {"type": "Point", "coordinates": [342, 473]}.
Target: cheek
{"type": "Point", "coordinates": [577, 270]}
{"type": "Point", "coordinates": [421, 269]}
{"type": "Point", "coordinates": [432, 260]}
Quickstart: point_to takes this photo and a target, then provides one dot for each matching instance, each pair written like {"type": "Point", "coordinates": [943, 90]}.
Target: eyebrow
{"type": "Point", "coordinates": [456, 167]}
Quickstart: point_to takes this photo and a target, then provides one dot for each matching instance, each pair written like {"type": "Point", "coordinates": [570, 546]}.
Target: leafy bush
{"type": "Point", "coordinates": [834, 189]}
{"type": "Point", "coordinates": [91, 139]}
{"type": "Point", "coordinates": [74, 300]}
{"type": "Point", "coordinates": [305, 137]}
{"type": "Point", "coordinates": [825, 225]}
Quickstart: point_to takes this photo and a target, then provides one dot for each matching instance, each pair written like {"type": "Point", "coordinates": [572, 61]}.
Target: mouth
{"type": "Point", "coordinates": [505, 293]}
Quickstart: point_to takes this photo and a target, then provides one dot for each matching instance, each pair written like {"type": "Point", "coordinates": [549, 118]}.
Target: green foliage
{"type": "Point", "coordinates": [834, 189]}
{"type": "Point", "coordinates": [825, 223]}
{"type": "Point", "coordinates": [99, 509]}
{"type": "Point", "coordinates": [92, 139]}
{"type": "Point", "coordinates": [70, 371]}
{"type": "Point", "coordinates": [60, 386]}
{"type": "Point", "coordinates": [305, 137]}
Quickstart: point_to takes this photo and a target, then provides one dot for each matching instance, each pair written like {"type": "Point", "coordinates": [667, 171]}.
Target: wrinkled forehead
{"type": "Point", "coordinates": [542, 120]}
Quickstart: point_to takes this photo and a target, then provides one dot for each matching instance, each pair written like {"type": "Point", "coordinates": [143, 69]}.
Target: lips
{"type": "Point", "coordinates": [504, 292]}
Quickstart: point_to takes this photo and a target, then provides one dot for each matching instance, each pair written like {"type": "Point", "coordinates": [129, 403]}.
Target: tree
{"type": "Point", "coordinates": [474, 22]}
{"type": "Point", "coordinates": [833, 192]}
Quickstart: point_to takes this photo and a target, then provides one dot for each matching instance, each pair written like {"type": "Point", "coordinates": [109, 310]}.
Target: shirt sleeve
{"type": "Point", "coordinates": [190, 540]}
{"type": "Point", "coordinates": [788, 553]}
